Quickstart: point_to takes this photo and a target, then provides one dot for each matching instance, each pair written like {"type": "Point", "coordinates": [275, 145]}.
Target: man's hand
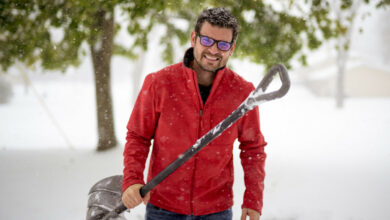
{"type": "Point", "coordinates": [131, 197]}
{"type": "Point", "coordinates": [253, 215]}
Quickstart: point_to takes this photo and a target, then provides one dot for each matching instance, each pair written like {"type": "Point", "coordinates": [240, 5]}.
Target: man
{"type": "Point", "coordinates": [179, 104]}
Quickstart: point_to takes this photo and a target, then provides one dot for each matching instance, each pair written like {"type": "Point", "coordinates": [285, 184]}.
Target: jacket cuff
{"type": "Point", "coordinates": [126, 184]}
{"type": "Point", "coordinates": [251, 206]}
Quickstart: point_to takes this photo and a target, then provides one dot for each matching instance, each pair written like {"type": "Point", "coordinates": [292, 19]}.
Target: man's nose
{"type": "Point", "coordinates": [214, 49]}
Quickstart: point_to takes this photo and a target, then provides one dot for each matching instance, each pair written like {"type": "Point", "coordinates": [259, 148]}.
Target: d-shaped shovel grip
{"type": "Point", "coordinates": [278, 68]}
{"type": "Point", "coordinates": [258, 95]}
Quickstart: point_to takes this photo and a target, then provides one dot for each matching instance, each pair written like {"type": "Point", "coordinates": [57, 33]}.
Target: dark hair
{"type": "Point", "coordinates": [220, 17]}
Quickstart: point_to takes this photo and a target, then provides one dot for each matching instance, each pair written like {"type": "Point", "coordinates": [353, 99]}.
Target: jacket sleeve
{"type": "Point", "coordinates": [252, 159]}
{"type": "Point", "coordinates": [140, 132]}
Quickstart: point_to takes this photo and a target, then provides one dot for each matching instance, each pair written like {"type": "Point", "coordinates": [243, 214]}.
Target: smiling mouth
{"type": "Point", "coordinates": [211, 58]}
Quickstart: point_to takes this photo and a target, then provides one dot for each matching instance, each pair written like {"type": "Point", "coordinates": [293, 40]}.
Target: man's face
{"type": "Point", "coordinates": [211, 58]}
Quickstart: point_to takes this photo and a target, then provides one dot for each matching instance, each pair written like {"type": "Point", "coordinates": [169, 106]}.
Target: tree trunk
{"type": "Point", "coordinates": [101, 51]}
{"type": "Point", "coordinates": [341, 62]}
{"type": "Point", "coordinates": [344, 41]}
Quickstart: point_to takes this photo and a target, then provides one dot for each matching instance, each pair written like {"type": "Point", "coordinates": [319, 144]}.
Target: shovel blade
{"type": "Point", "coordinates": [103, 197]}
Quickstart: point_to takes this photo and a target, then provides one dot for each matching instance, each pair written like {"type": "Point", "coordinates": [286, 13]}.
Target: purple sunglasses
{"type": "Point", "coordinates": [208, 42]}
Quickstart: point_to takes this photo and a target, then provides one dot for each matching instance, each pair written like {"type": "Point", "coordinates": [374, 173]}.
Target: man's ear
{"type": "Point", "coordinates": [193, 36]}
{"type": "Point", "coordinates": [232, 49]}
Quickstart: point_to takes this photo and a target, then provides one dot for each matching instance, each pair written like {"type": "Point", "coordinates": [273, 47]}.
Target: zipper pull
{"type": "Point", "coordinates": [201, 112]}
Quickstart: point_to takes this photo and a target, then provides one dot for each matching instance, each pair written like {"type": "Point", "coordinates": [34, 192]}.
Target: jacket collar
{"type": "Point", "coordinates": [188, 57]}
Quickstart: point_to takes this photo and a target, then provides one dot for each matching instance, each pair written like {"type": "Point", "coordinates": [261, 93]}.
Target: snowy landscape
{"type": "Point", "coordinates": [323, 163]}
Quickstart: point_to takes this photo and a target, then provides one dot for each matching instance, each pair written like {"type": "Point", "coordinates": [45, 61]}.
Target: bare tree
{"type": "Point", "coordinates": [347, 17]}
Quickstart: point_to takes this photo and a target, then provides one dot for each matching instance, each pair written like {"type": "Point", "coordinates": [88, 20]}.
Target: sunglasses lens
{"type": "Point", "coordinates": [205, 41]}
{"type": "Point", "coordinates": [223, 45]}
{"type": "Point", "coordinates": [208, 42]}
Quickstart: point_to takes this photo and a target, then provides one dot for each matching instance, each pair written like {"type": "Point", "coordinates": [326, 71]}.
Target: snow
{"type": "Point", "coordinates": [323, 162]}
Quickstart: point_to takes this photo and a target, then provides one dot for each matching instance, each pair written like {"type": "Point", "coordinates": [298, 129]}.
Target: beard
{"type": "Point", "coordinates": [209, 67]}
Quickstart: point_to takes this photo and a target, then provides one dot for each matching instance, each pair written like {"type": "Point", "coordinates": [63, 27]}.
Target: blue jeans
{"type": "Point", "coordinates": [156, 213]}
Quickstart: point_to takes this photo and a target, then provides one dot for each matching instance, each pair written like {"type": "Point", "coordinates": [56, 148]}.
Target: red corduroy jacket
{"type": "Point", "coordinates": [169, 110]}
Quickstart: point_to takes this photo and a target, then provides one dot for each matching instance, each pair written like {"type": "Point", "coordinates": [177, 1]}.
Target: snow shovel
{"type": "Point", "coordinates": [105, 197]}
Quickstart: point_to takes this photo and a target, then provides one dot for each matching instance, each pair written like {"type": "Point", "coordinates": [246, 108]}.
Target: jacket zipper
{"type": "Point", "coordinates": [201, 104]}
{"type": "Point", "coordinates": [194, 168]}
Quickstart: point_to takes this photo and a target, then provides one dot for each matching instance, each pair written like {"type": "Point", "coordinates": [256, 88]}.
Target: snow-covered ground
{"type": "Point", "coordinates": [323, 162]}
